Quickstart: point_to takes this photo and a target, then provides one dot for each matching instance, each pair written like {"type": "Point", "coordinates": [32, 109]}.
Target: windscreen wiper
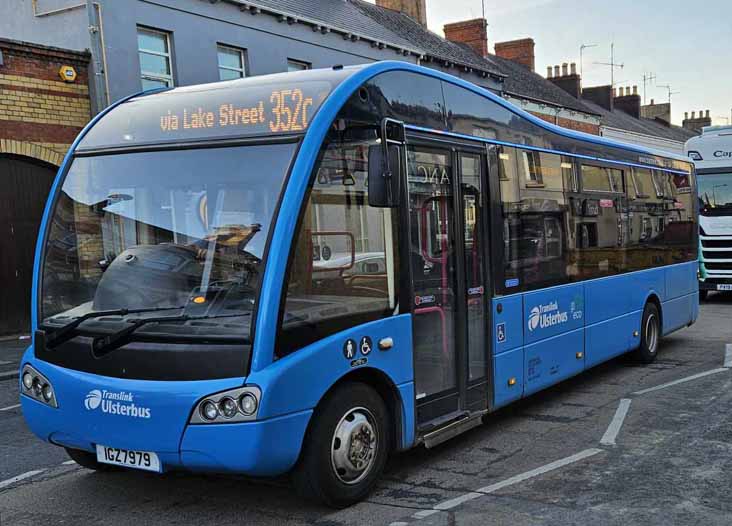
{"type": "Point", "coordinates": [105, 344]}
{"type": "Point", "coordinates": [68, 331]}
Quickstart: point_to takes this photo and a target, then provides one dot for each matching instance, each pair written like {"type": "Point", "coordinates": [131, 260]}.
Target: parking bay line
{"type": "Point", "coordinates": [20, 477]}
{"type": "Point", "coordinates": [608, 439]}
{"type": "Point", "coordinates": [6, 375]}
{"type": "Point", "coordinates": [681, 381]}
{"type": "Point", "coordinates": [487, 490]}
{"type": "Point", "coordinates": [9, 407]}
{"type": "Point", "coordinates": [728, 356]}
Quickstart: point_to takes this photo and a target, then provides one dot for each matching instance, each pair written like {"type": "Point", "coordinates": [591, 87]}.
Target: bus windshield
{"type": "Point", "coordinates": [177, 233]}
{"type": "Point", "coordinates": [715, 193]}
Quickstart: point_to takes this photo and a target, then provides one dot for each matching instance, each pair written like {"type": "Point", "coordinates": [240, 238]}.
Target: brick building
{"type": "Point", "coordinates": [44, 103]}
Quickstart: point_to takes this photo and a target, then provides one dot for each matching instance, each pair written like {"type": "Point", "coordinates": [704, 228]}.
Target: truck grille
{"type": "Point", "coordinates": [717, 255]}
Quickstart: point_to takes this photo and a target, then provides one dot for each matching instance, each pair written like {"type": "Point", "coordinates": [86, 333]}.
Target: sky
{"type": "Point", "coordinates": [686, 44]}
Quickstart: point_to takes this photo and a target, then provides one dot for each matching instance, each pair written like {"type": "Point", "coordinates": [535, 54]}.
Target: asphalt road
{"type": "Point", "coordinates": [596, 449]}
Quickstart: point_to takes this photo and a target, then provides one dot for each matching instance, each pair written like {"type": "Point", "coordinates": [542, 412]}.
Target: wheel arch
{"type": "Point", "coordinates": [387, 390]}
{"type": "Point", "coordinates": [653, 298]}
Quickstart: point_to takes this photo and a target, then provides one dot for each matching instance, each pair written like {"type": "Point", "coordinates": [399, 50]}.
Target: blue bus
{"type": "Point", "coordinates": [305, 272]}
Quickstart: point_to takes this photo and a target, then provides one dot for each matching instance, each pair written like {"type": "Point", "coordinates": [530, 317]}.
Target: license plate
{"type": "Point", "coordinates": [130, 459]}
{"type": "Point", "coordinates": [724, 287]}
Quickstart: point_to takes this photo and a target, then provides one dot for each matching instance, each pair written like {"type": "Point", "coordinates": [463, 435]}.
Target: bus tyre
{"type": "Point", "coordinates": [650, 334]}
{"type": "Point", "coordinates": [346, 447]}
{"type": "Point", "coordinates": [87, 460]}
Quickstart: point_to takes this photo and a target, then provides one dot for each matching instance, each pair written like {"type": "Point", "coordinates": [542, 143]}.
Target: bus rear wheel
{"type": "Point", "coordinates": [346, 447]}
{"type": "Point", "coordinates": [650, 334]}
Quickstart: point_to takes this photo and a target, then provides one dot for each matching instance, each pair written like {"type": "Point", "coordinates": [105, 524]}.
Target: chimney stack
{"type": "Point", "coordinates": [569, 82]}
{"type": "Point", "coordinates": [416, 9]}
{"type": "Point", "coordinates": [519, 51]}
{"type": "Point", "coordinates": [603, 96]}
{"type": "Point", "coordinates": [474, 33]}
{"type": "Point", "coordinates": [629, 101]}
{"type": "Point", "coordinates": [696, 124]}
{"type": "Point", "coordinates": [549, 72]}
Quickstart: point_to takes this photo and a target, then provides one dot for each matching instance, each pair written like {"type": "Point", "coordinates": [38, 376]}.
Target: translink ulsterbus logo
{"type": "Point", "coordinates": [546, 316]}
{"type": "Point", "coordinates": [115, 403]}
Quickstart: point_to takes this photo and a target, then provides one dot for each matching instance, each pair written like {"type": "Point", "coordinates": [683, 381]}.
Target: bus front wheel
{"type": "Point", "coordinates": [346, 446]}
{"type": "Point", "coordinates": [650, 334]}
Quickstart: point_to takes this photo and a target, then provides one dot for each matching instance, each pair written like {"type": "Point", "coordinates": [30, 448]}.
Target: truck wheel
{"type": "Point", "coordinates": [650, 334]}
{"type": "Point", "coordinates": [703, 294]}
{"type": "Point", "coordinates": [346, 447]}
{"type": "Point", "coordinates": [88, 460]}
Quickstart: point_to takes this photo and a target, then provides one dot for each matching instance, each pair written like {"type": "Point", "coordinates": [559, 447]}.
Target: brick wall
{"type": "Point", "coordinates": [40, 114]}
{"type": "Point", "coordinates": [586, 127]}
{"type": "Point", "coordinates": [471, 32]}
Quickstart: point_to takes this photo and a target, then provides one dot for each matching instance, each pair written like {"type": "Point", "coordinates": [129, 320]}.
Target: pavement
{"type": "Point", "coordinates": [621, 444]}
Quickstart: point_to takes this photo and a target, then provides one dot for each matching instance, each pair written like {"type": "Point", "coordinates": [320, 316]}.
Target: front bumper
{"type": "Point", "coordinates": [266, 447]}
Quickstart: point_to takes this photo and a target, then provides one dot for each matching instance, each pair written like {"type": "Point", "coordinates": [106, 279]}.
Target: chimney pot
{"type": "Point", "coordinates": [556, 71]}
{"type": "Point", "coordinates": [573, 68]}
{"type": "Point", "coordinates": [548, 72]}
{"type": "Point", "coordinates": [653, 102]}
{"type": "Point", "coordinates": [565, 69]}
{"type": "Point", "coordinates": [693, 115]}
{"type": "Point", "coordinates": [707, 114]}
{"type": "Point", "coordinates": [686, 115]}
{"type": "Point", "coordinates": [635, 90]}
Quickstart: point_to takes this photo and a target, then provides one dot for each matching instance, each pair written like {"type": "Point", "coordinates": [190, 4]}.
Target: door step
{"type": "Point", "coordinates": [453, 429]}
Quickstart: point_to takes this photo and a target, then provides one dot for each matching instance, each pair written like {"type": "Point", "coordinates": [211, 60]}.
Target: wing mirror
{"type": "Point", "coordinates": [386, 165]}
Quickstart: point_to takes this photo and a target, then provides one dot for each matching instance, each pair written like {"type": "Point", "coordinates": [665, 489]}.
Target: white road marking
{"type": "Point", "coordinates": [452, 503]}
{"type": "Point", "coordinates": [728, 356]}
{"type": "Point", "coordinates": [8, 374]}
{"type": "Point", "coordinates": [68, 463]}
{"type": "Point", "coordinates": [608, 439]}
{"type": "Point", "coordinates": [681, 381]}
{"type": "Point", "coordinates": [20, 477]}
{"type": "Point", "coordinates": [399, 524]}
{"type": "Point", "coordinates": [540, 470]}
{"type": "Point", "coordinates": [10, 407]}
{"type": "Point", "coordinates": [2, 362]}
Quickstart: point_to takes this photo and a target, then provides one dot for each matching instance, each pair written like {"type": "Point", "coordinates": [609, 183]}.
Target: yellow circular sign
{"type": "Point", "coordinates": [67, 73]}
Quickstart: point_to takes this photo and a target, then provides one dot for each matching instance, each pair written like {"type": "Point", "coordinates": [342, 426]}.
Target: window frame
{"type": "Point", "coordinates": [606, 169]}
{"type": "Point", "coordinates": [169, 79]}
{"type": "Point", "coordinates": [297, 62]}
{"type": "Point", "coordinates": [242, 52]}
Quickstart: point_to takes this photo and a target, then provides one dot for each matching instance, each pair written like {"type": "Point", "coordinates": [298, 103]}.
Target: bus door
{"type": "Point", "coordinates": [449, 288]}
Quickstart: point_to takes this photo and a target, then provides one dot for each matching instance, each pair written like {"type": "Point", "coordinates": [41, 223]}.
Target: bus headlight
{"type": "Point", "coordinates": [37, 386]}
{"type": "Point", "coordinates": [235, 405]}
{"type": "Point", "coordinates": [248, 404]}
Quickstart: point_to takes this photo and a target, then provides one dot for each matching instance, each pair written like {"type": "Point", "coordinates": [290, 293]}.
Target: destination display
{"type": "Point", "coordinates": [233, 110]}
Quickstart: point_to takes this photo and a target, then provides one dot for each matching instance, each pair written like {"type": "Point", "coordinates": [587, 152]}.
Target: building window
{"type": "Point", "coordinates": [232, 63]}
{"type": "Point", "coordinates": [154, 52]}
{"type": "Point", "coordinates": [297, 65]}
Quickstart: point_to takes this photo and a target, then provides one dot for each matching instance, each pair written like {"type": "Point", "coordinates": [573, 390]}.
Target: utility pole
{"type": "Point", "coordinates": [670, 93]}
{"type": "Point", "coordinates": [647, 78]}
{"type": "Point", "coordinates": [612, 65]}
{"type": "Point", "coordinates": [582, 49]}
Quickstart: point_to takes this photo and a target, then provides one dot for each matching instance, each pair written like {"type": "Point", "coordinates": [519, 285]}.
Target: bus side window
{"type": "Point", "coordinates": [343, 268]}
{"type": "Point", "coordinates": [600, 214]}
{"type": "Point", "coordinates": [535, 215]}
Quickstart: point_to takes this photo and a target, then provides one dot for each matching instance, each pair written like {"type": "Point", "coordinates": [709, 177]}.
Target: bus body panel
{"type": "Point", "coordinates": [552, 360]}
{"type": "Point", "coordinates": [299, 381]}
{"type": "Point", "coordinates": [508, 373]}
{"type": "Point", "coordinates": [610, 338]}
{"type": "Point", "coordinates": [89, 411]}
{"type": "Point", "coordinates": [508, 325]}
{"type": "Point", "coordinates": [238, 448]}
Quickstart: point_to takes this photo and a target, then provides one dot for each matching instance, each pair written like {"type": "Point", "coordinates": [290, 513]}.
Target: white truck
{"type": "Point", "coordinates": [712, 155]}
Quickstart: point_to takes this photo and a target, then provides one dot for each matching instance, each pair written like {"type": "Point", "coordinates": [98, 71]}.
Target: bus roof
{"type": "Point", "coordinates": [276, 104]}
